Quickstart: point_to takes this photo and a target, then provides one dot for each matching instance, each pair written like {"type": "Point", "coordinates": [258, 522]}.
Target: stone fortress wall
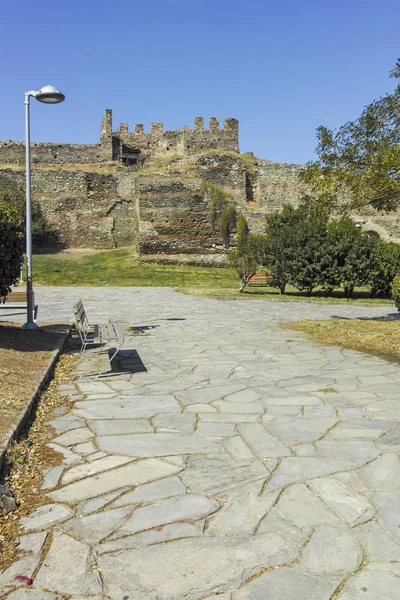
{"type": "Point", "coordinates": [135, 146]}
{"type": "Point", "coordinates": [99, 196]}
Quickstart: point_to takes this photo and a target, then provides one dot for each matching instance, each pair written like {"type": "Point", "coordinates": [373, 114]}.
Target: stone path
{"type": "Point", "coordinates": [240, 461]}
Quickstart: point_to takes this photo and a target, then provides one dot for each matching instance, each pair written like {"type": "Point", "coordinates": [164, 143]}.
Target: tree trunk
{"type": "Point", "coordinates": [282, 288]}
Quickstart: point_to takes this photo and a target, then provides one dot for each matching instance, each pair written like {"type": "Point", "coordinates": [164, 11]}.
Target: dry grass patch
{"type": "Point", "coordinates": [380, 338]}
{"type": "Point", "coordinates": [26, 460]}
{"type": "Point", "coordinates": [24, 358]}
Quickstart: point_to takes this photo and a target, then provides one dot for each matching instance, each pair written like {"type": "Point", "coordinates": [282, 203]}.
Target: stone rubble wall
{"type": "Point", "coordinates": [157, 214]}
{"type": "Point", "coordinates": [89, 210]}
{"type": "Point", "coordinates": [186, 140]}
{"type": "Point", "coordinates": [175, 217]}
{"type": "Point", "coordinates": [49, 154]}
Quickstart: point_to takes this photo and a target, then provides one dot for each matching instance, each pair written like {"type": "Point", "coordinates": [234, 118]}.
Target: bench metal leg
{"type": "Point", "coordinates": [96, 376]}
{"type": "Point", "coordinates": [111, 359]}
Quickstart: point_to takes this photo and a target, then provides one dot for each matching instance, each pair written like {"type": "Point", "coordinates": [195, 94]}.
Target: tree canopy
{"type": "Point", "coordinates": [11, 246]}
{"type": "Point", "coordinates": [359, 164]}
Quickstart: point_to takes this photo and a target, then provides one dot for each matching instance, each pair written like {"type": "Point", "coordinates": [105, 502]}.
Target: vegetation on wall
{"type": "Point", "coordinates": [219, 200]}
{"type": "Point", "coordinates": [43, 234]}
{"type": "Point", "coordinates": [227, 222]}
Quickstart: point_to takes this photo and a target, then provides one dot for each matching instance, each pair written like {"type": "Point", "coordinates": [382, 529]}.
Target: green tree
{"type": "Point", "coordinates": [384, 268]}
{"type": "Point", "coordinates": [282, 244]}
{"type": "Point", "coordinates": [358, 264]}
{"type": "Point", "coordinates": [246, 258]}
{"type": "Point", "coordinates": [11, 246]}
{"type": "Point", "coordinates": [242, 232]}
{"type": "Point", "coordinates": [396, 71]}
{"type": "Point", "coordinates": [311, 254]}
{"type": "Point", "coordinates": [43, 234]}
{"type": "Point", "coordinates": [342, 234]}
{"type": "Point", "coordinates": [359, 164]}
{"type": "Point", "coordinates": [395, 288]}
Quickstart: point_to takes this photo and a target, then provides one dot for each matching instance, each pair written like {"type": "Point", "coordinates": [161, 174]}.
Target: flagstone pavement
{"type": "Point", "coordinates": [224, 458]}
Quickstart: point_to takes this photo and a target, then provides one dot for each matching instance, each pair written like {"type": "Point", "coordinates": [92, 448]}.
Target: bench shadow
{"type": "Point", "coordinates": [174, 319]}
{"type": "Point", "coordinates": [141, 328]}
{"type": "Point", "coordinates": [126, 361]}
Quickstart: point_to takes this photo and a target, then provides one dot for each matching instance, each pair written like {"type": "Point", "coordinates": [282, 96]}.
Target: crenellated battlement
{"type": "Point", "coordinates": [137, 145]}
{"type": "Point", "coordinates": [230, 125]}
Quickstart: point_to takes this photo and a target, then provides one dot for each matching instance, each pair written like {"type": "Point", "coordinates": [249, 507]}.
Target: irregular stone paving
{"type": "Point", "coordinates": [238, 461]}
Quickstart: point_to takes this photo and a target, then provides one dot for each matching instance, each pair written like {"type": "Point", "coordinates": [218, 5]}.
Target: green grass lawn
{"type": "Point", "coordinates": [122, 268]}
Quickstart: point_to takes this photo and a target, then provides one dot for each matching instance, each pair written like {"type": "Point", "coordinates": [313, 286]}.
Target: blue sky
{"type": "Point", "coordinates": [282, 68]}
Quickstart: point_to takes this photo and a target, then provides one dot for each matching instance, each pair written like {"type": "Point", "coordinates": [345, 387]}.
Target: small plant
{"type": "Point", "coordinates": [218, 199]}
{"type": "Point", "coordinates": [227, 222]}
{"type": "Point", "coordinates": [396, 291]}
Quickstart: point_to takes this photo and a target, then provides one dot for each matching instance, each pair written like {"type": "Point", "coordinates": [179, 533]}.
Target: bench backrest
{"type": "Point", "coordinates": [81, 319]}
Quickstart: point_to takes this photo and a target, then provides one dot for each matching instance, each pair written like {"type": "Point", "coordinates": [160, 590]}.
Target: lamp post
{"type": "Point", "coordinates": [49, 95]}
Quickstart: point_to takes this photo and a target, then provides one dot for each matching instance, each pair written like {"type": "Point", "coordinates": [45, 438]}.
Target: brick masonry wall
{"type": "Point", "coordinates": [175, 217]}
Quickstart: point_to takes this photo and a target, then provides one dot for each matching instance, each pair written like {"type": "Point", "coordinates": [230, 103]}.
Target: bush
{"type": "Point", "coordinates": [396, 291]}
{"type": "Point", "coordinates": [11, 246]}
{"type": "Point", "coordinates": [227, 222]}
{"type": "Point", "coordinates": [387, 265]}
{"type": "Point", "coordinates": [242, 231]}
{"type": "Point", "coordinates": [246, 259]}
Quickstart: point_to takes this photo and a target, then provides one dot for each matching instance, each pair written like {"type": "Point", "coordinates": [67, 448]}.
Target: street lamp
{"type": "Point", "coordinates": [49, 95]}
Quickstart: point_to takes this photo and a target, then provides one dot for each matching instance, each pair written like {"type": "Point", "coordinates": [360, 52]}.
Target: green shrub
{"type": "Point", "coordinates": [227, 222]}
{"type": "Point", "coordinates": [11, 246]}
{"type": "Point", "coordinates": [218, 199]}
{"type": "Point", "coordinates": [396, 291]}
{"type": "Point", "coordinates": [242, 232]}
{"type": "Point", "coordinates": [387, 264]}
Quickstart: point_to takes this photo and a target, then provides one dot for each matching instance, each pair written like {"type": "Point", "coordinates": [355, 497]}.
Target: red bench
{"type": "Point", "coordinates": [259, 278]}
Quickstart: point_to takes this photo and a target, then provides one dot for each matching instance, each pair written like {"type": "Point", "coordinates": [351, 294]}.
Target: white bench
{"type": "Point", "coordinates": [99, 334]}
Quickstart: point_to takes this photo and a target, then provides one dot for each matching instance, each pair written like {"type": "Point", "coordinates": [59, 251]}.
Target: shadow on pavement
{"type": "Point", "coordinates": [46, 338]}
{"type": "Point", "coordinates": [126, 361]}
{"type": "Point", "coordinates": [141, 328]}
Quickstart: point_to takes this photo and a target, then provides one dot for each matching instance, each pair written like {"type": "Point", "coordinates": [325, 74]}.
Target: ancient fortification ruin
{"type": "Point", "coordinates": [146, 190]}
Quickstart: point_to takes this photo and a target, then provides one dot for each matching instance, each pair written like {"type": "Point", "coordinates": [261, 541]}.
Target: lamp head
{"type": "Point", "coordinates": [49, 95]}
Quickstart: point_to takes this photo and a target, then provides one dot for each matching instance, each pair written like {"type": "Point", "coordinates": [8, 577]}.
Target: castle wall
{"type": "Point", "coordinates": [175, 217]}
{"type": "Point", "coordinates": [226, 171]}
{"type": "Point", "coordinates": [99, 210]}
{"type": "Point", "coordinates": [276, 184]}
{"type": "Point", "coordinates": [89, 210]}
{"type": "Point", "coordinates": [50, 154]}
{"type": "Point", "coordinates": [186, 140]}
